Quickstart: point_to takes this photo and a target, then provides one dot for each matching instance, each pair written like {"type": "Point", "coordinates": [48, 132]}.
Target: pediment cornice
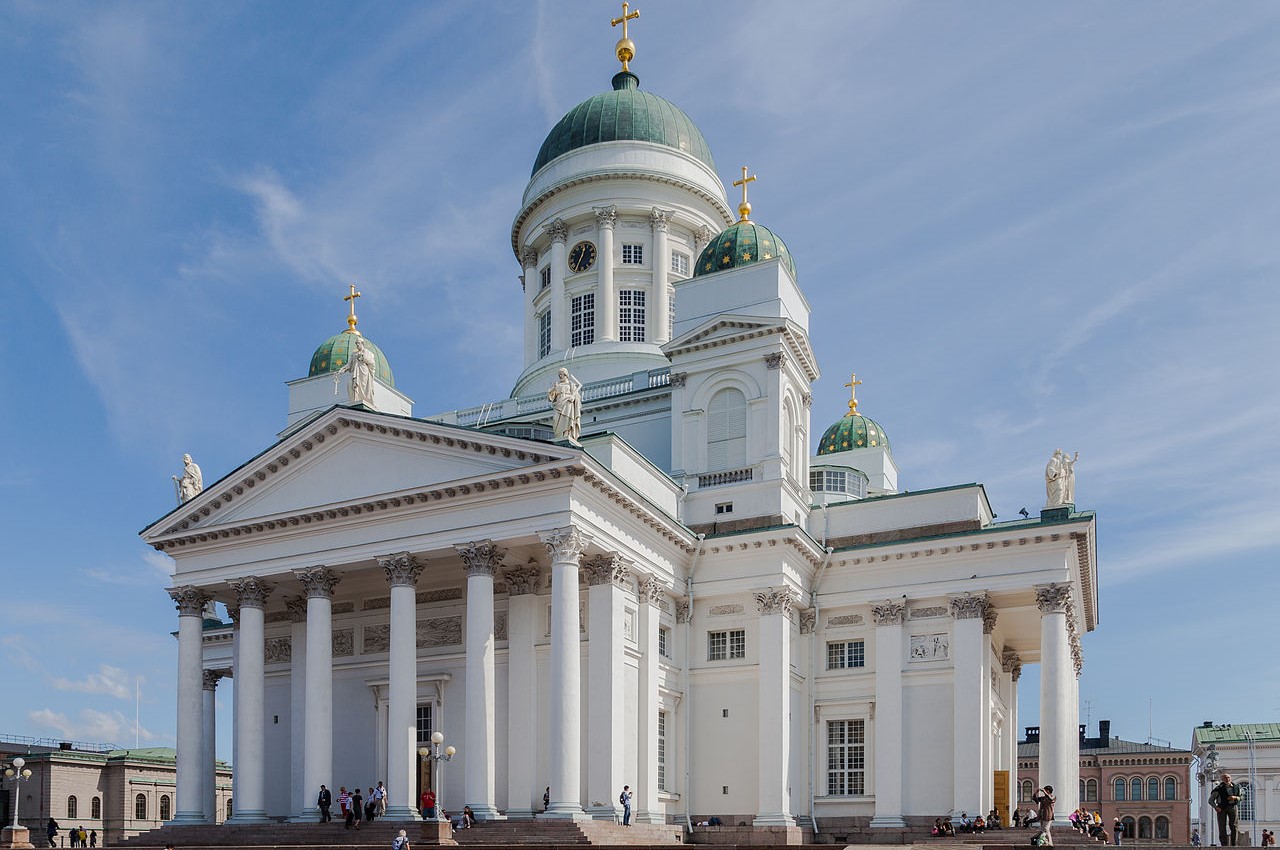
{"type": "Point", "coordinates": [727, 330]}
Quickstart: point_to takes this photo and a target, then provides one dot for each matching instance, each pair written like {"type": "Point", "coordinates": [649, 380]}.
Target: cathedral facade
{"type": "Point", "coordinates": [657, 576]}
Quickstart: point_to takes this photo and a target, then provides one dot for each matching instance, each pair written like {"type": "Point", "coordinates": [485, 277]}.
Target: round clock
{"type": "Point", "coordinates": [582, 257]}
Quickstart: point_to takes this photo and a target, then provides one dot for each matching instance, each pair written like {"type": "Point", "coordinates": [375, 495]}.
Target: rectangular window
{"type": "Point", "coordinates": [545, 276]}
{"type": "Point", "coordinates": [632, 255]}
{"type": "Point", "coordinates": [544, 333]}
{"type": "Point", "coordinates": [664, 641]}
{"type": "Point", "coordinates": [631, 315]}
{"type": "Point", "coordinates": [680, 263]}
{"type": "Point", "coordinates": [844, 654]}
{"type": "Point", "coordinates": [662, 751]}
{"type": "Point", "coordinates": [724, 508]}
{"type": "Point", "coordinates": [846, 757]}
{"type": "Point", "coordinates": [722, 646]}
{"type": "Point", "coordinates": [583, 320]}
{"type": "Point", "coordinates": [424, 724]}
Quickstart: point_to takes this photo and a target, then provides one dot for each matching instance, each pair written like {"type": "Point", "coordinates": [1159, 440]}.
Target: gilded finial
{"type": "Point", "coordinates": [626, 48]}
{"type": "Point", "coordinates": [351, 317]}
{"type": "Point", "coordinates": [744, 208]}
{"type": "Point", "coordinates": [853, 385]}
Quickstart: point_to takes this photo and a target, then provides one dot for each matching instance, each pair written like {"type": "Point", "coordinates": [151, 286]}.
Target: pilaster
{"type": "Point", "coordinates": [890, 652]}
{"type": "Point", "coordinates": [775, 605]}
{"type": "Point", "coordinates": [532, 286]}
{"type": "Point", "coordinates": [971, 728]}
{"type": "Point", "coordinates": [605, 575]}
{"type": "Point", "coordinates": [660, 221]}
{"type": "Point", "coordinates": [648, 807]}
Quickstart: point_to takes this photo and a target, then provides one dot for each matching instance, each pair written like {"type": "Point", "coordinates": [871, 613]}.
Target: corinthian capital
{"type": "Point", "coordinates": [969, 607]}
{"type": "Point", "coordinates": [210, 679]}
{"type": "Point", "coordinates": [1011, 663]}
{"type": "Point", "coordinates": [1054, 598]}
{"type": "Point", "coordinates": [605, 569]}
{"type": "Point", "coordinates": [251, 592]}
{"type": "Point", "coordinates": [558, 230]}
{"type": "Point", "coordinates": [651, 590]}
{"type": "Point", "coordinates": [297, 608]}
{"type": "Point", "coordinates": [521, 581]}
{"type": "Point", "coordinates": [889, 614]}
{"type": "Point", "coordinates": [775, 600]}
{"type": "Point", "coordinates": [190, 600]}
{"type": "Point", "coordinates": [402, 569]}
{"type": "Point", "coordinates": [606, 216]}
{"type": "Point", "coordinates": [989, 617]}
{"type": "Point", "coordinates": [529, 258]}
{"type": "Point", "coordinates": [660, 219]}
{"type": "Point", "coordinates": [564, 544]}
{"type": "Point", "coordinates": [481, 558]}
{"type": "Point", "coordinates": [317, 581]}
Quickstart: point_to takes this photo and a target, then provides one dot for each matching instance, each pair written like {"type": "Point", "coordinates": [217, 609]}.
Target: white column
{"type": "Point", "coordinates": [969, 730]}
{"type": "Point", "coordinates": [1013, 666]}
{"type": "Point", "coordinates": [532, 286]}
{"type": "Point", "coordinates": [605, 710]}
{"type": "Point", "coordinates": [774, 734]}
{"type": "Point", "coordinates": [299, 794]}
{"type": "Point", "coordinates": [660, 220]}
{"type": "Point", "coordinates": [1057, 721]}
{"type": "Point", "coordinates": [209, 739]}
{"type": "Point", "coordinates": [565, 546]}
{"type": "Point", "coordinates": [317, 759]}
{"type": "Point", "coordinates": [250, 777]}
{"type": "Point", "coordinates": [523, 793]}
{"type": "Point", "coordinates": [559, 232]}
{"type": "Point", "coordinates": [648, 809]}
{"type": "Point", "coordinates": [402, 572]}
{"type": "Point", "coordinates": [190, 804]}
{"type": "Point", "coordinates": [607, 299]}
{"type": "Point", "coordinates": [890, 652]}
{"type": "Point", "coordinates": [986, 788]}
{"type": "Point", "coordinates": [482, 560]}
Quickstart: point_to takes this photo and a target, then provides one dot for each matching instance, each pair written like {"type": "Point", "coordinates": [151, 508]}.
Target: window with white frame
{"type": "Point", "coordinates": [140, 807]}
{"type": "Point", "coordinates": [1091, 791]}
{"type": "Point", "coordinates": [544, 333]}
{"type": "Point", "coordinates": [95, 808]}
{"type": "Point", "coordinates": [166, 807]}
{"type": "Point", "coordinates": [1153, 788]}
{"type": "Point", "coordinates": [725, 645]}
{"type": "Point", "coordinates": [424, 724]}
{"type": "Point", "coordinates": [631, 315]}
{"type": "Point", "coordinates": [72, 807]}
{"type": "Point", "coordinates": [844, 654]}
{"type": "Point", "coordinates": [632, 255]}
{"type": "Point", "coordinates": [846, 757]}
{"type": "Point", "coordinates": [1246, 801]}
{"type": "Point", "coordinates": [1135, 789]}
{"type": "Point", "coordinates": [1121, 787]}
{"type": "Point", "coordinates": [545, 277]}
{"type": "Point", "coordinates": [582, 320]}
{"type": "Point", "coordinates": [664, 641]}
{"type": "Point", "coordinates": [727, 430]}
{"type": "Point", "coordinates": [1170, 788]}
{"type": "Point", "coordinates": [680, 263]}
{"type": "Point", "coordinates": [662, 751]}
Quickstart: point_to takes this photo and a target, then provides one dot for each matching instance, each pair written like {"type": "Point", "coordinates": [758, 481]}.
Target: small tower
{"type": "Point", "coordinates": [854, 459]}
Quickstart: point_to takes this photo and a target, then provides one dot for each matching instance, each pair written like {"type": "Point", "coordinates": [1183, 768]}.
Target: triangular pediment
{"type": "Point", "coordinates": [345, 456]}
{"type": "Point", "coordinates": [728, 329]}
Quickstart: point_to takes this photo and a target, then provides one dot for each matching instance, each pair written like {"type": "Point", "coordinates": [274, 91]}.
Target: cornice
{"type": "Point", "coordinates": [785, 537]}
{"type": "Point", "coordinates": [669, 529]}
{"type": "Point", "coordinates": [792, 337]}
{"type": "Point", "coordinates": [937, 548]}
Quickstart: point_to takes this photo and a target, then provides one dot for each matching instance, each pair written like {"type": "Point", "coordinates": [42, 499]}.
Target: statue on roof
{"type": "Point", "coordinates": [1060, 479]}
{"type": "Point", "coordinates": [362, 366]}
{"type": "Point", "coordinates": [565, 396]}
{"type": "Point", "coordinates": [191, 482]}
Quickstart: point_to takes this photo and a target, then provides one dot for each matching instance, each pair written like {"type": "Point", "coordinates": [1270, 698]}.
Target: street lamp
{"type": "Point", "coordinates": [1253, 785]}
{"type": "Point", "coordinates": [433, 755]}
{"type": "Point", "coordinates": [1211, 764]}
{"type": "Point", "coordinates": [16, 775]}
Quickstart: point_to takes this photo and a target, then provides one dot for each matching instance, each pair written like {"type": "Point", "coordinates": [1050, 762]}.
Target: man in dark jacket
{"type": "Point", "coordinates": [324, 800]}
{"type": "Point", "coordinates": [1225, 799]}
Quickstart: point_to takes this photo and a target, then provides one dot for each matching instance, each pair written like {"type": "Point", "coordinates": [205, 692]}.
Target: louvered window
{"type": "Point", "coordinates": [727, 430]}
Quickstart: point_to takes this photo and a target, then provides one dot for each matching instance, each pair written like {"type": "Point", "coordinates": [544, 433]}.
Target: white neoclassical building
{"type": "Point", "coordinates": [699, 598]}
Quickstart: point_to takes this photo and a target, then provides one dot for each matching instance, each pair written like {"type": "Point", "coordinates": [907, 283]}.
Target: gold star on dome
{"type": "Point", "coordinates": [746, 255]}
{"type": "Point", "coordinates": [766, 256]}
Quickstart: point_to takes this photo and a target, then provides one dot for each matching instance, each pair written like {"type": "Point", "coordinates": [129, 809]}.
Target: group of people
{"type": "Point", "coordinates": [78, 836]}
{"type": "Point", "coordinates": [1090, 823]}
{"type": "Point", "coordinates": [355, 807]}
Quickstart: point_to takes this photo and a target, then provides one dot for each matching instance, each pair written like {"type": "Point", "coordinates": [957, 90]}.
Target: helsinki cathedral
{"type": "Point", "coordinates": [642, 568]}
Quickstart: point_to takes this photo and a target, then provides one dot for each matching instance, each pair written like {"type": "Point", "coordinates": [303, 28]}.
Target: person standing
{"type": "Point", "coordinates": [370, 807]}
{"type": "Point", "coordinates": [625, 799]}
{"type": "Point", "coordinates": [51, 832]}
{"type": "Point", "coordinates": [93, 838]}
{"type": "Point", "coordinates": [344, 804]}
{"type": "Point", "coordinates": [1225, 799]}
{"type": "Point", "coordinates": [1044, 801]}
{"type": "Point", "coordinates": [357, 806]}
{"type": "Point", "coordinates": [429, 805]}
{"type": "Point", "coordinates": [546, 799]}
{"type": "Point", "coordinates": [323, 801]}
{"type": "Point", "coordinates": [380, 794]}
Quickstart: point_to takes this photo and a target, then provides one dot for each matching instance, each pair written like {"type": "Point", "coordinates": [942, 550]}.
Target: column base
{"type": "Point", "coordinates": [520, 814]}
{"type": "Point", "coordinates": [436, 832]}
{"type": "Point", "coordinates": [566, 811]}
{"type": "Point", "coordinates": [400, 813]}
{"type": "Point", "coordinates": [484, 811]}
{"type": "Point", "coordinates": [15, 837]}
{"type": "Point", "coordinates": [888, 822]}
{"type": "Point", "coordinates": [311, 814]}
{"type": "Point", "coordinates": [188, 818]}
{"type": "Point", "coordinates": [607, 813]}
{"type": "Point", "coordinates": [251, 816]}
{"type": "Point", "coordinates": [649, 817]}
{"type": "Point", "coordinates": [774, 819]}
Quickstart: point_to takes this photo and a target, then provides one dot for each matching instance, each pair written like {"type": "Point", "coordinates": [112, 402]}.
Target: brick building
{"type": "Point", "coordinates": [1146, 785]}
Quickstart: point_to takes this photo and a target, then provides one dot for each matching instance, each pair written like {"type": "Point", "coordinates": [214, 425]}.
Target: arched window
{"type": "Point", "coordinates": [1162, 828]}
{"type": "Point", "coordinates": [1246, 801]}
{"type": "Point", "coordinates": [1130, 826]}
{"type": "Point", "coordinates": [1135, 789]}
{"type": "Point", "coordinates": [1081, 797]}
{"type": "Point", "coordinates": [727, 430]}
{"type": "Point", "coordinates": [788, 437]}
{"type": "Point", "coordinates": [1024, 791]}
{"type": "Point", "coordinates": [165, 813]}
{"type": "Point", "coordinates": [1153, 789]}
{"type": "Point", "coordinates": [1144, 827]}
{"type": "Point", "coordinates": [140, 807]}
{"type": "Point", "coordinates": [1091, 791]}
{"type": "Point", "coordinates": [1170, 789]}
{"type": "Point", "coordinates": [228, 808]}
{"type": "Point", "coordinates": [1121, 787]}
{"type": "Point", "coordinates": [95, 808]}
{"type": "Point", "coordinates": [72, 807]}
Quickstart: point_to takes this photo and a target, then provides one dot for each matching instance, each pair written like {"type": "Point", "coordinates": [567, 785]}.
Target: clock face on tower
{"type": "Point", "coordinates": [582, 257]}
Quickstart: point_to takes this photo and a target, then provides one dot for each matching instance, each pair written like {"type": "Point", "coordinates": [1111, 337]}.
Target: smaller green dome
{"type": "Point", "coordinates": [853, 431]}
{"type": "Point", "coordinates": [741, 245]}
{"type": "Point", "coordinates": [335, 351]}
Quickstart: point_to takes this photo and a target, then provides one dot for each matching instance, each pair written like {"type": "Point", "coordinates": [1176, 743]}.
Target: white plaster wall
{"type": "Point", "coordinates": [907, 510]}
{"type": "Point", "coordinates": [764, 289]}
{"type": "Point", "coordinates": [927, 747]}
{"type": "Point", "coordinates": [278, 739]}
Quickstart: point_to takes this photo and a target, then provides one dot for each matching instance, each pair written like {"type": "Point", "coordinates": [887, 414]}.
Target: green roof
{"type": "Point", "coordinates": [1236, 732]}
{"type": "Point", "coordinates": [742, 244]}
{"type": "Point", "coordinates": [853, 431]}
{"type": "Point", "coordinates": [624, 114]}
{"type": "Point", "coordinates": [335, 351]}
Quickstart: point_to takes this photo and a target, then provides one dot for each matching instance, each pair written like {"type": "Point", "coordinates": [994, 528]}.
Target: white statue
{"type": "Point", "coordinates": [1060, 479]}
{"type": "Point", "coordinates": [565, 396]}
{"type": "Point", "coordinates": [362, 366]}
{"type": "Point", "coordinates": [191, 482]}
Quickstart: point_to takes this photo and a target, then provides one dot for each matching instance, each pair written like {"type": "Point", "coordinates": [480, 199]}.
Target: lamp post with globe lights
{"type": "Point", "coordinates": [14, 775]}
{"type": "Point", "coordinates": [433, 755]}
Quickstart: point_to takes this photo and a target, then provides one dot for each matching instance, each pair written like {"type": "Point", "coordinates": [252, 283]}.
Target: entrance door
{"type": "Point", "coordinates": [424, 777]}
{"type": "Point", "coordinates": [1002, 796]}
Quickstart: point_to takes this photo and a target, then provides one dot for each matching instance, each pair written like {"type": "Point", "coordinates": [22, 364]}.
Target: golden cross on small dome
{"type": "Point", "coordinates": [351, 318]}
{"type": "Point", "coordinates": [626, 48]}
{"type": "Point", "coordinates": [744, 208]}
{"type": "Point", "coordinates": [853, 385]}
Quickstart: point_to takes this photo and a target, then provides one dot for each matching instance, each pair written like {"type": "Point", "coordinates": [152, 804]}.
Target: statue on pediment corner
{"type": "Point", "coordinates": [565, 396]}
{"type": "Point", "coordinates": [191, 482]}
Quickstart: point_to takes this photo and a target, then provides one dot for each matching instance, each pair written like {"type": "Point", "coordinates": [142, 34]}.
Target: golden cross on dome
{"type": "Point", "coordinates": [744, 208]}
{"type": "Point", "coordinates": [626, 48]}
{"type": "Point", "coordinates": [853, 385]}
{"type": "Point", "coordinates": [351, 319]}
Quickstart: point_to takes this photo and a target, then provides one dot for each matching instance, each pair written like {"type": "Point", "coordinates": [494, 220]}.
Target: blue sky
{"type": "Point", "coordinates": [1025, 225]}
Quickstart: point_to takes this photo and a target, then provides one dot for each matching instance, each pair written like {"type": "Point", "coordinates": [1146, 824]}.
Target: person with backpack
{"type": "Point", "coordinates": [1044, 801]}
{"type": "Point", "coordinates": [401, 841]}
{"type": "Point", "coordinates": [625, 799]}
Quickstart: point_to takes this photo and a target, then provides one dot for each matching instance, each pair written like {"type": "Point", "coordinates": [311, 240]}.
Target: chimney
{"type": "Point", "coordinates": [1104, 732]}
{"type": "Point", "coordinates": [65, 745]}
{"type": "Point", "coordinates": [1033, 735]}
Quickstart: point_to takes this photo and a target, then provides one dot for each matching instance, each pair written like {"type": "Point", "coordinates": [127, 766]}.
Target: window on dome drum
{"type": "Point", "coordinates": [726, 645]}
{"type": "Point", "coordinates": [95, 808]}
{"type": "Point", "coordinates": [844, 654]}
{"type": "Point", "coordinates": [1121, 786]}
{"type": "Point", "coordinates": [1153, 789]}
{"type": "Point", "coordinates": [545, 277]}
{"type": "Point", "coordinates": [424, 724]}
{"type": "Point", "coordinates": [632, 255]}
{"type": "Point", "coordinates": [662, 750]}
{"type": "Point", "coordinates": [582, 320]}
{"type": "Point", "coordinates": [727, 430]}
{"type": "Point", "coordinates": [846, 757]}
{"type": "Point", "coordinates": [544, 333]}
{"type": "Point", "coordinates": [72, 807]}
{"type": "Point", "coordinates": [1135, 789]}
{"type": "Point", "coordinates": [680, 263]}
{"type": "Point", "coordinates": [1091, 791]}
{"type": "Point", "coordinates": [140, 807]}
{"type": "Point", "coordinates": [664, 641]}
{"type": "Point", "coordinates": [165, 807]}
{"type": "Point", "coordinates": [631, 315]}
{"type": "Point", "coordinates": [1170, 788]}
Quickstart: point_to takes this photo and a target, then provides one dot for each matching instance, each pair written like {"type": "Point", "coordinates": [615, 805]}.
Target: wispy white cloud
{"type": "Point", "coordinates": [111, 681]}
{"type": "Point", "coordinates": [91, 725]}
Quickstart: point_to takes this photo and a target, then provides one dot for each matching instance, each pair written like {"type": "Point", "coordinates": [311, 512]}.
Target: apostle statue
{"type": "Point", "coordinates": [565, 396]}
{"type": "Point", "coordinates": [191, 482]}
{"type": "Point", "coordinates": [362, 366]}
{"type": "Point", "coordinates": [1060, 479]}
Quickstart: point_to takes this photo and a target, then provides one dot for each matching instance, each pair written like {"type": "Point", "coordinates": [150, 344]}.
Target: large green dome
{"type": "Point", "coordinates": [624, 114]}
{"type": "Point", "coordinates": [335, 352]}
{"type": "Point", "coordinates": [740, 245]}
{"type": "Point", "coordinates": [853, 431]}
